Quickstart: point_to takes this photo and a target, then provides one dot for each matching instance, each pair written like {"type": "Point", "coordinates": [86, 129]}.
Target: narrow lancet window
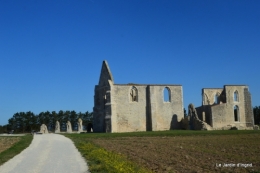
{"type": "Point", "coordinates": [236, 98]}
{"type": "Point", "coordinates": [166, 94]}
{"type": "Point", "coordinates": [134, 94]}
{"type": "Point", "coordinates": [236, 113]}
{"type": "Point", "coordinates": [216, 98]}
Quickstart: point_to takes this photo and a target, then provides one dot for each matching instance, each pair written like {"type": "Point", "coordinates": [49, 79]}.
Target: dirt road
{"type": "Point", "coordinates": [48, 153]}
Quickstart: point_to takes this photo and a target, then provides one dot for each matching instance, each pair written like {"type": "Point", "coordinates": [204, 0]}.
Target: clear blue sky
{"type": "Point", "coordinates": [51, 51]}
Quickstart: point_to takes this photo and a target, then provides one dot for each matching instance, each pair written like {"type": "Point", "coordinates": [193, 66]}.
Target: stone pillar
{"type": "Point", "coordinates": [203, 116]}
{"type": "Point", "coordinates": [57, 127]}
{"type": "Point", "coordinates": [80, 127]}
{"type": "Point", "coordinates": [69, 129]}
{"type": "Point", "coordinates": [44, 129]}
{"type": "Point", "coordinates": [153, 109]}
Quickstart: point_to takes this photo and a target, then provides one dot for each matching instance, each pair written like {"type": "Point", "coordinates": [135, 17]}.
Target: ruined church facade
{"type": "Point", "coordinates": [226, 108]}
{"type": "Point", "coordinates": [135, 107]}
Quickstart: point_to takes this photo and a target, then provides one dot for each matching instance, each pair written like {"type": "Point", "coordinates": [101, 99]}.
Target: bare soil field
{"type": "Point", "coordinates": [7, 142]}
{"type": "Point", "coordinates": [201, 153]}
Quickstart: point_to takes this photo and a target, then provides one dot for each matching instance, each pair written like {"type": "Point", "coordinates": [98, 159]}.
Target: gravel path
{"type": "Point", "coordinates": [48, 153]}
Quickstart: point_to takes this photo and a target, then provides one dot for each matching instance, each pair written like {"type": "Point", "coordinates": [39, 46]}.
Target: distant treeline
{"type": "Point", "coordinates": [27, 121]}
{"type": "Point", "coordinates": [23, 122]}
{"type": "Point", "coordinates": [256, 111]}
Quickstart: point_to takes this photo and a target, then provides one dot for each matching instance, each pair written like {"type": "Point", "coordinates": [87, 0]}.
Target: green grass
{"type": "Point", "coordinates": [15, 149]}
{"type": "Point", "coordinates": [103, 161]}
{"type": "Point", "coordinates": [167, 133]}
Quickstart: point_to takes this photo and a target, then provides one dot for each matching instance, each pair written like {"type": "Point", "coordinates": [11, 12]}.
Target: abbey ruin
{"type": "Point", "coordinates": [227, 107]}
{"type": "Point", "coordinates": [149, 107]}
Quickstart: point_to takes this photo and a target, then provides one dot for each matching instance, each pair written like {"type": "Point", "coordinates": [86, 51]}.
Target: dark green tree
{"type": "Point", "coordinates": [74, 120]}
{"type": "Point", "coordinates": [256, 111]}
{"type": "Point", "coordinates": [185, 113]}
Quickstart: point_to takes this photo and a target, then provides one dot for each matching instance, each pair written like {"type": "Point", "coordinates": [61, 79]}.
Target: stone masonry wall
{"type": "Point", "coordinates": [168, 114]}
{"type": "Point", "coordinates": [130, 116]}
{"type": "Point", "coordinates": [248, 109]}
{"type": "Point", "coordinates": [208, 95]}
{"type": "Point", "coordinates": [220, 116]}
{"type": "Point", "coordinates": [150, 112]}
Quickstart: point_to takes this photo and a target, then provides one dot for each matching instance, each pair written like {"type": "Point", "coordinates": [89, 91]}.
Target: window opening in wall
{"type": "Point", "coordinates": [216, 99]}
{"type": "Point", "coordinates": [134, 94]}
{"type": "Point", "coordinates": [166, 95]}
{"type": "Point", "coordinates": [236, 96]}
{"type": "Point", "coordinates": [236, 113]}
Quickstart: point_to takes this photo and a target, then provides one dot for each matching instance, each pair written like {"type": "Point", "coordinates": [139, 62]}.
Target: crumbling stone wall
{"type": "Point", "coordinates": [208, 95]}
{"type": "Point", "coordinates": [222, 114]}
{"type": "Point", "coordinates": [204, 113]}
{"type": "Point", "coordinates": [120, 109]}
{"type": "Point", "coordinates": [149, 112]}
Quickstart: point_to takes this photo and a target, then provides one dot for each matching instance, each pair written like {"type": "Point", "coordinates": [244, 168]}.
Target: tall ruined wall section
{"type": "Point", "coordinates": [100, 108]}
{"type": "Point", "coordinates": [248, 109]}
{"type": "Point", "coordinates": [168, 114]}
{"type": "Point", "coordinates": [98, 111]}
{"type": "Point", "coordinates": [130, 115]}
{"type": "Point", "coordinates": [204, 113]}
{"type": "Point", "coordinates": [230, 89]}
{"type": "Point", "coordinates": [149, 112]}
{"type": "Point", "coordinates": [222, 115]}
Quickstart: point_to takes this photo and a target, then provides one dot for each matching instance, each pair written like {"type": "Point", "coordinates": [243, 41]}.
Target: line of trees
{"type": "Point", "coordinates": [23, 122]}
{"type": "Point", "coordinates": [256, 111]}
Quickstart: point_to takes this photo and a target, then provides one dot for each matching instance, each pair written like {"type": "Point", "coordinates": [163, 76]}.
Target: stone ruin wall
{"type": "Point", "coordinates": [222, 114]}
{"type": "Point", "coordinates": [150, 112]}
{"type": "Point", "coordinates": [129, 116]}
{"type": "Point", "coordinates": [169, 114]}
{"type": "Point", "coordinates": [99, 107]}
{"type": "Point", "coordinates": [249, 116]}
{"type": "Point", "coordinates": [231, 103]}
{"type": "Point", "coordinates": [208, 95]}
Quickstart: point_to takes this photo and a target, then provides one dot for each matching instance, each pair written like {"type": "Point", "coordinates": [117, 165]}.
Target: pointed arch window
{"type": "Point", "coordinates": [236, 113]}
{"type": "Point", "coordinates": [134, 94]}
{"type": "Point", "coordinates": [166, 94]}
{"type": "Point", "coordinates": [236, 97]}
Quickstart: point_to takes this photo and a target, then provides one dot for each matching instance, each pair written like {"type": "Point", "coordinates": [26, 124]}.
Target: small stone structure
{"type": "Point", "coordinates": [256, 127]}
{"type": "Point", "coordinates": [192, 121]}
{"type": "Point", "coordinates": [227, 108]}
{"type": "Point", "coordinates": [69, 128]}
{"type": "Point", "coordinates": [135, 107]}
{"type": "Point", "coordinates": [80, 127]}
{"type": "Point", "coordinates": [57, 127]}
{"type": "Point", "coordinates": [44, 129]}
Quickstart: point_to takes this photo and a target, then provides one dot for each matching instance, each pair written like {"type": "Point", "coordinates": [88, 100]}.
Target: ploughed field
{"type": "Point", "coordinates": [187, 151]}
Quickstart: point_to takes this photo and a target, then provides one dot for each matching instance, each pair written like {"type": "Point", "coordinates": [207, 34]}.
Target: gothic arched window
{"type": "Point", "coordinates": [236, 113]}
{"type": "Point", "coordinates": [216, 98]}
{"type": "Point", "coordinates": [134, 94]}
{"type": "Point", "coordinates": [236, 97]}
{"type": "Point", "coordinates": [166, 94]}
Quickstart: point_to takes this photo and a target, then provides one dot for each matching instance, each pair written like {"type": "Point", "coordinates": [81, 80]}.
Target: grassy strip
{"type": "Point", "coordinates": [15, 149]}
{"type": "Point", "coordinates": [101, 160]}
{"type": "Point", "coordinates": [171, 133]}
